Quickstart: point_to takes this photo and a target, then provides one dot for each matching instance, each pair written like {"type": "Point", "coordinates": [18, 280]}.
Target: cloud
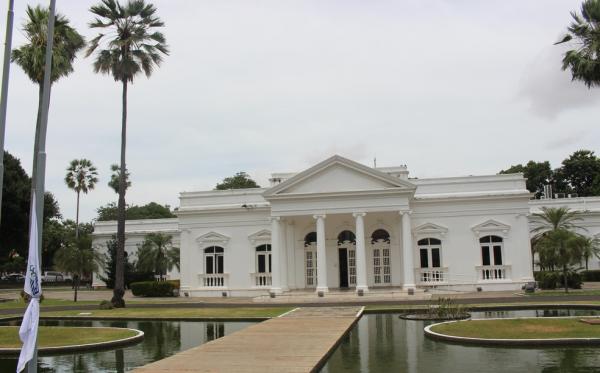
{"type": "Point", "coordinates": [549, 91]}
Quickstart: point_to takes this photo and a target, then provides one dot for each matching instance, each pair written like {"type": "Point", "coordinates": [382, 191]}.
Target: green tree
{"type": "Point", "coordinates": [78, 259]}
{"type": "Point", "coordinates": [551, 219]}
{"type": "Point", "coordinates": [241, 180]}
{"type": "Point", "coordinates": [583, 35]}
{"type": "Point", "coordinates": [589, 247]}
{"type": "Point", "coordinates": [157, 254]}
{"type": "Point", "coordinates": [562, 245]}
{"type": "Point", "coordinates": [110, 266]}
{"type": "Point", "coordinates": [14, 231]}
{"type": "Point", "coordinates": [581, 170]}
{"type": "Point", "coordinates": [81, 177]}
{"type": "Point", "coordinates": [151, 210]}
{"type": "Point", "coordinates": [131, 46]}
{"type": "Point", "coordinates": [538, 174]}
{"type": "Point", "coordinates": [116, 176]}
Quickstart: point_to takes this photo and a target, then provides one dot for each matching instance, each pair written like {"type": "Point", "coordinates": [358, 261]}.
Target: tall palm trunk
{"type": "Point", "coordinates": [565, 278]}
{"type": "Point", "coordinates": [119, 289]}
{"type": "Point", "coordinates": [77, 218]}
{"type": "Point", "coordinates": [76, 284]}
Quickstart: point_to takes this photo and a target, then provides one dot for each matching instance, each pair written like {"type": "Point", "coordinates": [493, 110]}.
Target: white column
{"type": "Point", "coordinates": [275, 256]}
{"type": "Point", "coordinates": [407, 252]}
{"type": "Point", "coordinates": [321, 255]}
{"type": "Point", "coordinates": [361, 255]}
{"type": "Point", "coordinates": [283, 268]}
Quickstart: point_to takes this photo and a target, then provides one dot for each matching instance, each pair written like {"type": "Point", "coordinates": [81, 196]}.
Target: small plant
{"type": "Point", "coordinates": [446, 308]}
{"type": "Point", "coordinates": [106, 305]}
{"type": "Point", "coordinates": [26, 297]}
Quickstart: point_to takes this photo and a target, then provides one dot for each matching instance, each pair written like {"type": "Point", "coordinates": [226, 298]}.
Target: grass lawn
{"type": "Point", "coordinates": [18, 303]}
{"type": "Point", "coordinates": [561, 292]}
{"type": "Point", "coordinates": [52, 336]}
{"type": "Point", "coordinates": [158, 313]}
{"type": "Point", "coordinates": [520, 328]}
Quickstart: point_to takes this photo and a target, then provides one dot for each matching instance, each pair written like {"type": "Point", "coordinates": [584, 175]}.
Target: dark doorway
{"type": "Point", "coordinates": [343, 255]}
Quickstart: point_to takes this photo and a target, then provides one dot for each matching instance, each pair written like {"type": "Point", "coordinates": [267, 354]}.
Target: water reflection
{"type": "Point", "coordinates": [162, 339]}
{"type": "Point", "coordinates": [386, 343]}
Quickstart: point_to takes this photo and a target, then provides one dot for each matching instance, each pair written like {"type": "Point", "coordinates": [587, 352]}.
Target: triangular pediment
{"type": "Point", "coordinates": [491, 226]}
{"type": "Point", "coordinates": [262, 236]}
{"type": "Point", "coordinates": [212, 238]}
{"type": "Point", "coordinates": [337, 175]}
{"type": "Point", "coordinates": [430, 228]}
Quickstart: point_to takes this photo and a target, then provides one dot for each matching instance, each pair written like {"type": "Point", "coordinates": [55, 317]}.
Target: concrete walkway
{"type": "Point", "coordinates": [299, 341]}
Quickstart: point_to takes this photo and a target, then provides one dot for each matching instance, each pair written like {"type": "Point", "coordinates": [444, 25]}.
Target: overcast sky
{"type": "Point", "coordinates": [449, 88]}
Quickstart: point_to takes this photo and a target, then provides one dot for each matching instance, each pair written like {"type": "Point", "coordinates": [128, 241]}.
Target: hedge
{"type": "Point", "coordinates": [153, 288]}
{"type": "Point", "coordinates": [591, 275]}
{"type": "Point", "coordinates": [554, 279]}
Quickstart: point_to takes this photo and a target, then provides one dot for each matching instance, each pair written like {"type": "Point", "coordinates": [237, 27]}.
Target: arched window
{"type": "Point", "coordinates": [213, 259]}
{"type": "Point", "coordinates": [380, 235]}
{"type": "Point", "coordinates": [263, 259]}
{"type": "Point", "coordinates": [310, 238]}
{"type": "Point", "coordinates": [346, 236]}
{"type": "Point", "coordinates": [491, 250]}
{"type": "Point", "coordinates": [380, 241]}
{"type": "Point", "coordinates": [430, 252]}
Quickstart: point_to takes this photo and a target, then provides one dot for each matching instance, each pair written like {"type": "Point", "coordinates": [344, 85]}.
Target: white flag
{"type": "Point", "coordinates": [33, 286]}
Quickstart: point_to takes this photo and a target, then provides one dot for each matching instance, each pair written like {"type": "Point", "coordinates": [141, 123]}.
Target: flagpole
{"type": "Point", "coordinates": [4, 91]}
{"type": "Point", "coordinates": [39, 175]}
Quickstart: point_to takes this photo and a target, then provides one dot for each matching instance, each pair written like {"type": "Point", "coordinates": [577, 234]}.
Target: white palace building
{"type": "Point", "coordinates": [341, 224]}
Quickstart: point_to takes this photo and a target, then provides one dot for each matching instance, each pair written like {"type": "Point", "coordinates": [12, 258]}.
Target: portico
{"type": "Point", "coordinates": [346, 191]}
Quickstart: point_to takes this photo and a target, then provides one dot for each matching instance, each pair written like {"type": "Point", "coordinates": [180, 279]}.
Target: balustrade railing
{"type": "Point", "coordinates": [493, 273]}
{"type": "Point", "coordinates": [432, 276]}
{"type": "Point", "coordinates": [260, 280]}
{"type": "Point", "coordinates": [214, 280]}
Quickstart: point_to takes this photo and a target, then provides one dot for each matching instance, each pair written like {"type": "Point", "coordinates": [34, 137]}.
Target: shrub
{"type": "Point", "coordinates": [152, 289]}
{"type": "Point", "coordinates": [175, 283]}
{"type": "Point", "coordinates": [549, 280]}
{"type": "Point", "coordinates": [591, 275]}
{"type": "Point", "coordinates": [106, 305]}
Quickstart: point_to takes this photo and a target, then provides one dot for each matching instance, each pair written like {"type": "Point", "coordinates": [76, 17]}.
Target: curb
{"type": "Point", "coordinates": [82, 347]}
{"type": "Point", "coordinates": [531, 342]}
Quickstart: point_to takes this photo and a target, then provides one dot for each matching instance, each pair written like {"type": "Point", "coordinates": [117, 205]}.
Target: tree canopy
{"type": "Point", "coordinates": [151, 210]}
{"type": "Point", "coordinates": [16, 199]}
{"type": "Point", "coordinates": [579, 173]}
{"type": "Point", "coordinates": [240, 180]}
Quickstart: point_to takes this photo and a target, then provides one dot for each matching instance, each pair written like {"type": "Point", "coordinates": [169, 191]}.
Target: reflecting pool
{"type": "Point", "coordinates": [162, 339]}
{"type": "Point", "coordinates": [386, 343]}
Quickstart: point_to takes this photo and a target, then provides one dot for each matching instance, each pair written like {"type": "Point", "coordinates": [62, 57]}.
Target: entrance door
{"type": "Point", "coordinates": [343, 256]}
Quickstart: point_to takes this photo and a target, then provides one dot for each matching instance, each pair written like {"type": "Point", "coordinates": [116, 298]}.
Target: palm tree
{"type": "Point", "coordinates": [562, 245]}
{"type": "Point", "coordinates": [589, 247]}
{"type": "Point", "coordinates": [130, 45]}
{"type": "Point", "coordinates": [79, 259]}
{"type": "Point", "coordinates": [157, 254]}
{"type": "Point", "coordinates": [549, 220]}
{"type": "Point", "coordinates": [584, 60]}
{"type": "Point", "coordinates": [116, 176]}
{"type": "Point", "coordinates": [81, 177]}
{"type": "Point", "coordinates": [31, 55]}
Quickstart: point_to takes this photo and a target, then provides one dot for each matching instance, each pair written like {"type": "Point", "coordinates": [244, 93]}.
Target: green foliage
{"type": "Point", "coordinates": [582, 172]}
{"type": "Point", "coordinates": [78, 259]}
{"type": "Point", "coordinates": [81, 175]}
{"type": "Point", "coordinates": [550, 280]}
{"type": "Point", "coordinates": [446, 308]}
{"type": "Point", "coordinates": [537, 174]}
{"type": "Point", "coordinates": [151, 210]}
{"type": "Point", "coordinates": [152, 289]}
{"type": "Point", "coordinates": [31, 56]}
{"type": "Point", "coordinates": [584, 60]}
{"type": "Point", "coordinates": [591, 275]}
{"type": "Point", "coordinates": [241, 180]}
{"type": "Point", "coordinates": [16, 194]}
{"type": "Point", "coordinates": [157, 254]}
{"type": "Point", "coordinates": [113, 183]}
{"type": "Point", "coordinates": [110, 266]}
{"type": "Point", "coordinates": [106, 305]}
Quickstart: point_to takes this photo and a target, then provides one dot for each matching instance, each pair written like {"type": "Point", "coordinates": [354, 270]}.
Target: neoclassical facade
{"type": "Point", "coordinates": [344, 225]}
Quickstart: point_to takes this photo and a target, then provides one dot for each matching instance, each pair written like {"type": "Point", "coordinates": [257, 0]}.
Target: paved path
{"type": "Point", "coordinates": [298, 341]}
